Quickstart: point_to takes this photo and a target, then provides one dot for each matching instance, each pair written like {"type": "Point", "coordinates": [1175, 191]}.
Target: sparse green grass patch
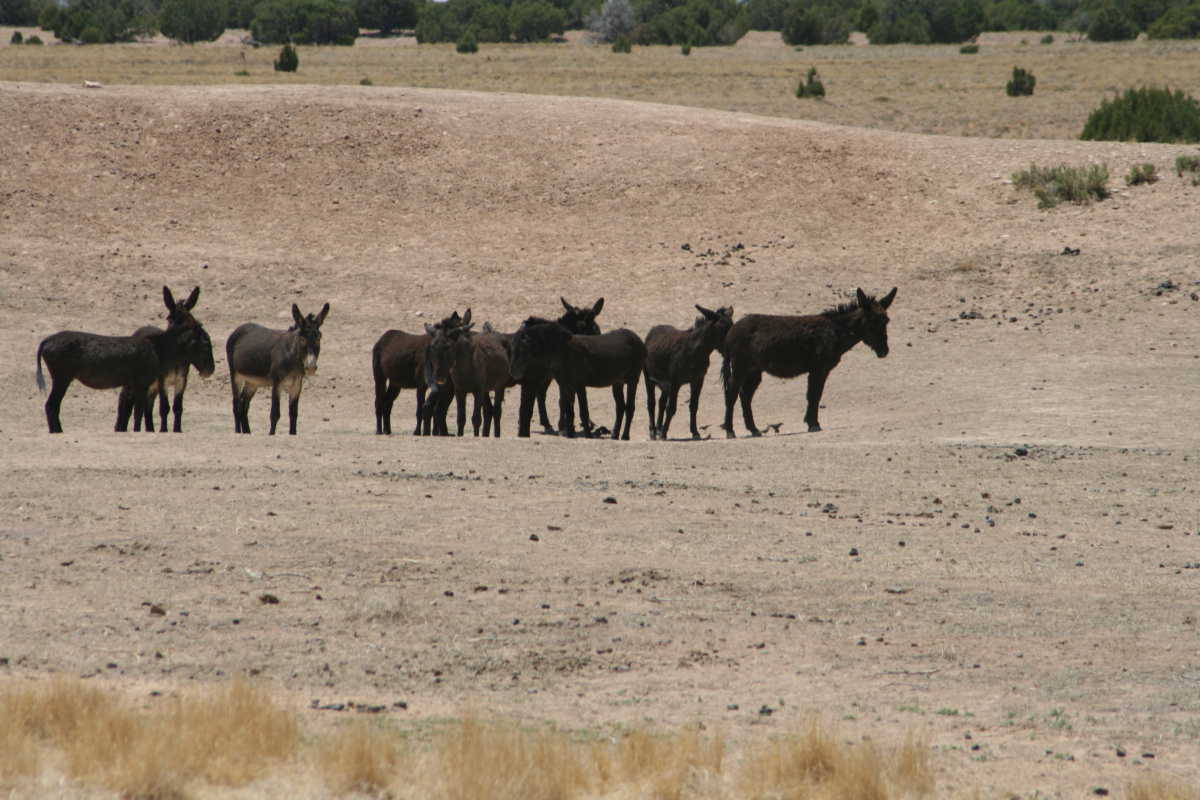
{"type": "Point", "coordinates": [1141, 173]}
{"type": "Point", "coordinates": [1052, 185]}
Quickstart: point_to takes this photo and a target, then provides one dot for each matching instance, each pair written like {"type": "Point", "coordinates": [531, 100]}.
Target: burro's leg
{"type": "Point", "coordinates": [816, 385]}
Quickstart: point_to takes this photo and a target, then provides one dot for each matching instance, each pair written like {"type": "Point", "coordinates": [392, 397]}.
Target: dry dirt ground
{"type": "Point", "coordinates": [994, 542]}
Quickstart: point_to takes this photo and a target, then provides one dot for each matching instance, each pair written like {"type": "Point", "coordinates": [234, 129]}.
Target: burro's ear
{"type": "Point", "coordinates": [466, 320]}
{"type": "Point", "coordinates": [567, 305]}
{"type": "Point", "coordinates": [462, 328]}
{"type": "Point", "coordinates": [190, 303]}
{"type": "Point", "coordinates": [296, 315]}
{"type": "Point", "coordinates": [862, 298]}
{"type": "Point", "coordinates": [888, 298]}
{"type": "Point", "coordinates": [168, 298]}
{"type": "Point", "coordinates": [432, 331]}
{"type": "Point", "coordinates": [710, 315]}
{"type": "Point", "coordinates": [596, 308]}
{"type": "Point", "coordinates": [321, 317]}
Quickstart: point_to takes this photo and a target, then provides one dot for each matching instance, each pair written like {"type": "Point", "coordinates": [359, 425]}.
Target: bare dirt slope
{"type": "Point", "coordinates": [1040, 600]}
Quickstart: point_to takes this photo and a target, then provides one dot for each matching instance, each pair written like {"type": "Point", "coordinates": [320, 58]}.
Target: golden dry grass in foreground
{"type": "Point", "coordinates": [929, 89]}
{"type": "Point", "coordinates": [237, 734]}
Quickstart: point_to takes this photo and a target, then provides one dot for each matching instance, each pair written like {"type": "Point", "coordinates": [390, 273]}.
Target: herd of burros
{"type": "Point", "coordinates": [451, 360]}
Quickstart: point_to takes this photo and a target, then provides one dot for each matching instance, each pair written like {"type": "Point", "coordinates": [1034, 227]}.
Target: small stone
{"type": "Point", "coordinates": [1120, 752]}
{"type": "Point", "coordinates": [533, 537]}
{"type": "Point", "coordinates": [612, 501]}
{"type": "Point", "coordinates": [853, 551]}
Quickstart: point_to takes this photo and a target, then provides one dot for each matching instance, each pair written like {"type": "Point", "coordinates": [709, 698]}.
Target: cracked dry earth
{"type": "Point", "coordinates": [994, 542]}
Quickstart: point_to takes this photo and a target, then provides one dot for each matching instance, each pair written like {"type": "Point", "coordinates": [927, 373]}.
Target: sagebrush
{"type": "Point", "coordinates": [1052, 185]}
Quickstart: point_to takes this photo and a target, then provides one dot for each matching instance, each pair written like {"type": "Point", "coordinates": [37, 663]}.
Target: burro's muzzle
{"type": "Point", "coordinates": [310, 364]}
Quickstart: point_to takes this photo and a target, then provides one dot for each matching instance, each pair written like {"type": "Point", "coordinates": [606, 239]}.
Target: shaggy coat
{"type": "Point", "coordinates": [675, 357]}
{"type": "Point", "coordinates": [115, 362]}
{"type": "Point", "coordinates": [613, 359]}
{"type": "Point", "coordinates": [176, 375]}
{"type": "Point", "coordinates": [534, 384]}
{"type": "Point", "coordinates": [476, 364]}
{"type": "Point", "coordinates": [788, 347]}
{"type": "Point", "coordinates": [398, 362]}
{"type": "Point", "coordinates": [261, 356]}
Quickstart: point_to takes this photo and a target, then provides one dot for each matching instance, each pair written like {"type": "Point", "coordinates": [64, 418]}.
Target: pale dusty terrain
{"type": "Point", "coordinates": [1043, 604]}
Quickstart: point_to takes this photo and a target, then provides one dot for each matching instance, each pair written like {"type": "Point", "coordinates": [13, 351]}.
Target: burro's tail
{"type": "Point", "coordinates": [41, 379]}
{"type": "Point", "coordinates": [725, 370]}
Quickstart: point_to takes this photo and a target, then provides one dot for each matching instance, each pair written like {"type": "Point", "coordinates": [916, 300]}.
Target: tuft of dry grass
{"type": "Point", "coordinates": [658, 766]}
{"type": "Point", "coordinates": [478, 760]}
{"type": "Point", "coordinates": [813, 765]}
{"type": "Point", "coordinates": [230, 736]}
{"type": "Point", "coordinates": [359, 759]}
{"type": "Point", "coordinates": [1157, 789]}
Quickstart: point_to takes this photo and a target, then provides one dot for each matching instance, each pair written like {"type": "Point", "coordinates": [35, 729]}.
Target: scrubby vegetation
{"type": "Point", "coordinates": [1145, 115]}
{"type": "Point", "coordinates": [1052, 185]}
{"type": "Point", "coordinates": [811, 86]}
{"type": "Point", "coordinates": [673, 22]}
{"type": "Point", "coordinates": [1141, 173]}
{"type": "Point", "coordinates": [1021, 83]}
{"type": "Point", "coordinates": [288, 61]}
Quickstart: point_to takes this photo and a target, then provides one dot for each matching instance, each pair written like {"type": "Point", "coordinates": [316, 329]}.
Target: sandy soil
{"type": "Point", "coordinates": [993, 542]}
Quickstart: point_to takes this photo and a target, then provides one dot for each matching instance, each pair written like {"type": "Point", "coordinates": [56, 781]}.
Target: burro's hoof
{"type": "Point", "coordinates": [729, 434]}
{"type": "Point", "coordinates": [814, 428]}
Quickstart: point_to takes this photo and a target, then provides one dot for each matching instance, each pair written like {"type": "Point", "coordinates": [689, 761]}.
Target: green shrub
{"type": "Point", "coordinates": [1047, 39]}
{"type": "Point", "coordinates": [304, 22]}
{"type": "Point", "coordinates": [1052, 185]}
{"type": "Point", "coordinates": [467, 43]}
{"type": "Point", "coordinates": [1181, 22]}
{"type": "Point", "coordinates": [1141, 173]}
{"type": "Point", "coordinates": [1021, 83]}
{"type": "Point", "coordinates": [969, 49]}
{"type": "Point", "coordinates": [91, 35]}
{"type": "Point", "coordinates": [17, 38]}
{"type": "Point", "coordinates": [242, 73]}
{"type": "Point", "coordinates": [191, 21]}
{"type": "Point", "coordinates": [366, 82]}
{"type": "Point", "coordinates": [812, 86]}
{"type": "Point", "coordinates": [686, 48]}
{"type": "Point", "coordinates": [536, 21]}
{"type": "Point", "coordinates": [1187, 164]}
{"type": "Point", "coordinates": [1145, 115]}
{"type": "Point", "coordinates": [1110, 24]}
{"type": "Point", "coordinates": [622, 44]}
{"type": "Point", "coordinates": [35, 39]}
{"type": "Point", "coordinates": [288, 60]}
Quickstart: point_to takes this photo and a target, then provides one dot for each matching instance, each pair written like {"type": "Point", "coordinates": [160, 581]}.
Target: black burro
{"type": "Point", "coordinates": [675, 357]}
{"type": "Point", "coordinates": [614, 359]}
{"type": "Point", "coordinates": [132, 363]}
{"type": "Point", "coordinates": [789, 346]}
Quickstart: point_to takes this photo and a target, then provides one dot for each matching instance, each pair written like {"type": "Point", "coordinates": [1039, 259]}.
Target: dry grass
{"type": "Point", "coordinates": [230, 736]}
{"type": "Point", "coordinates": [235, 734]}
{"type": "Point", "coordinates": [1156, 789]}
{"type": "Point", "coordinates": [359, 759]}
{"type": "Point", "coordinates": [927, 89]}
{"type": "Point", "coordinates": [813, 764]}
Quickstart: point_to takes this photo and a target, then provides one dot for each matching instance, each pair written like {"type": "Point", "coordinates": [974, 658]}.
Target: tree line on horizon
{"type": "Point", "coordinates": [697, 23]}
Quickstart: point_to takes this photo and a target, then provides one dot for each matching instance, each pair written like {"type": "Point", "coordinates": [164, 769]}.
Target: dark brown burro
{"type": "Point", "coordinates": [535, 382]}
{"type": "Point", "coordinates": [475, 364]}
{"type": "Point", "coordinates": [788, 347]}
{"type": "Point", "coordinates": [614, 359]}
{"type": "Point", "coordinates": [398, 361]}
{"type": "Point", "coordinates": [176, 375]}
{"type": "Point", "coordinates": [261, 356]}
{"type": "Point", "coordinates": [675, 357]}
{"type": "Point", "coordinates": [133, 363]}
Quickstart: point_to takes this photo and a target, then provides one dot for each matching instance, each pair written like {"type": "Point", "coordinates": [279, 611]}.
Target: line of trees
{"type": "Point", "coordinates": [672, 22]}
